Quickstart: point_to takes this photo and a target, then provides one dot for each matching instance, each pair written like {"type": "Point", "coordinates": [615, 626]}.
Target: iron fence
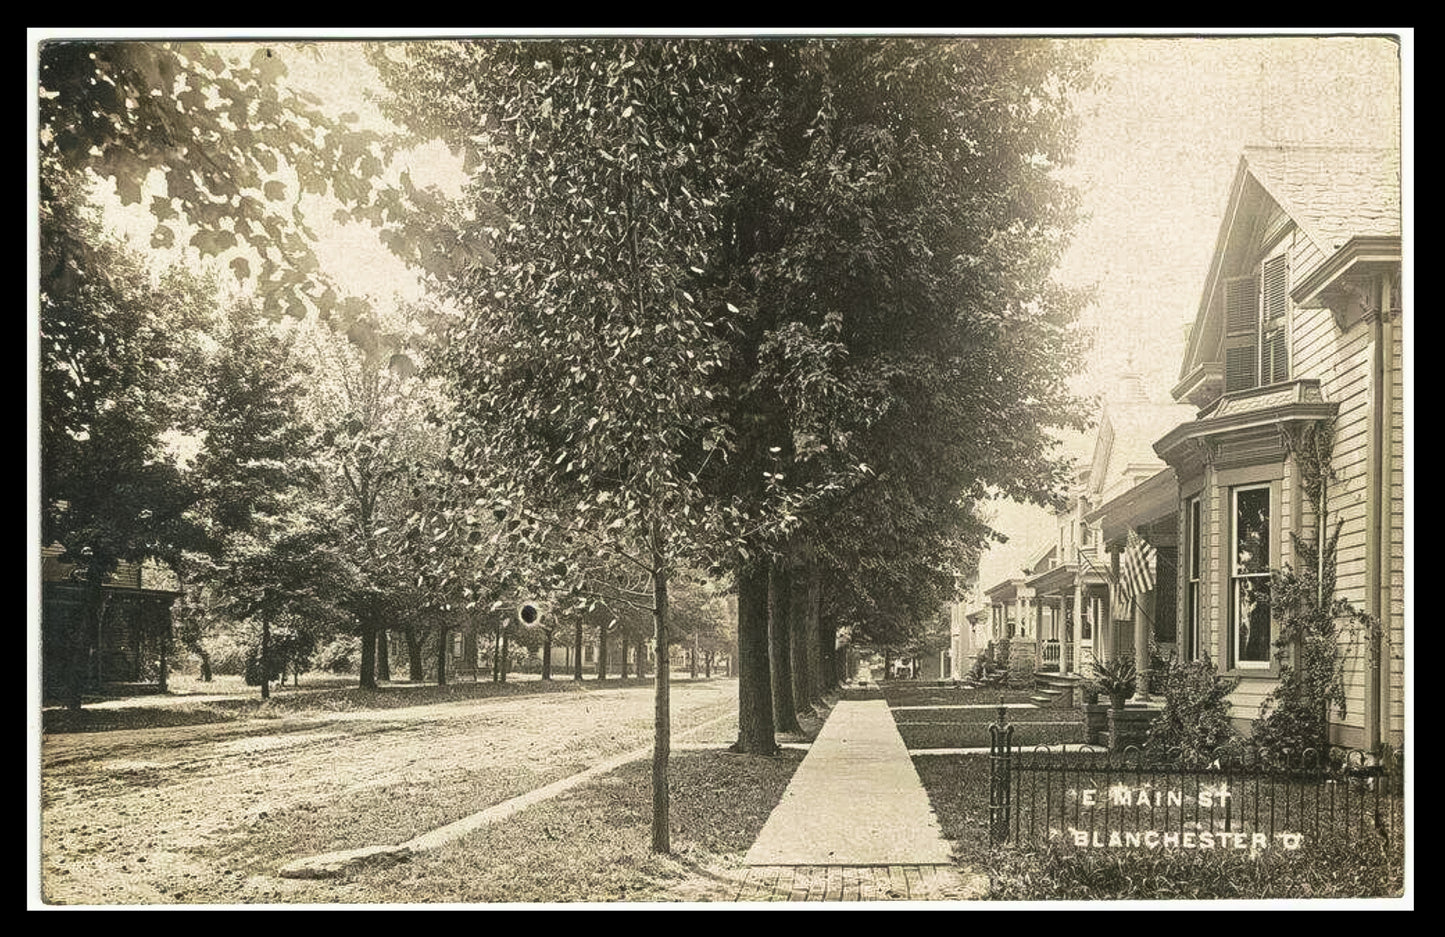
{"type": "Point", "coordinates": [1244, 801]}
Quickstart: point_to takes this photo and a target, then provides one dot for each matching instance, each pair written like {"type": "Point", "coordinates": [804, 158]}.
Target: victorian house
{"type": "Point", "coordinates": [127, 641]}
{"type": "Point", "coordinates": [1297, 339]}
{"type": "Point", "coordinates": [1062, 610]}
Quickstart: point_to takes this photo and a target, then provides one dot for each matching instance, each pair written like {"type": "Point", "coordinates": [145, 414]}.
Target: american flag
{"type": "Point", "coordinates": [1136, 576]}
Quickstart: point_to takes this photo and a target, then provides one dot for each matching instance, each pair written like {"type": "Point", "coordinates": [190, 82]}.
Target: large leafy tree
{"type": "Point", "coordinates": [117, 355]}
{"type": "Point", "coordinates": [892, 219]}
{"type": "Point", "coordinates": [257, 477]}
{"type": "Point", "coordinates": [372, 408]}
{"type": "Point", "coordinates": [584, 364]}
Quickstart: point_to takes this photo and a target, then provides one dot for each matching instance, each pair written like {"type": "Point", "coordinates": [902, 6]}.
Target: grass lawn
{"type": "Point", "coordinates": [592, 844]}
{"type": "Point", "coordinates": [956, 717]}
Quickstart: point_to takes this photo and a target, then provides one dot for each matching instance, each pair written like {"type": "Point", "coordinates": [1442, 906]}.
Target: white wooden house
{"type": "Point", "coordinates": [1299, 325]}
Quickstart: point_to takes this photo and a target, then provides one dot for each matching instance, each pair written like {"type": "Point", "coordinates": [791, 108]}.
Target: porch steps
{"type": "Point", "coordinates": [1044, 696]}
{"type": "Point", "coordinates": [1056, 690]}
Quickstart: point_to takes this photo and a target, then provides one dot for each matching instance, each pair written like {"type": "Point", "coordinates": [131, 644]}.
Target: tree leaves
{"type": "Point", "coordinates": [209, 130]}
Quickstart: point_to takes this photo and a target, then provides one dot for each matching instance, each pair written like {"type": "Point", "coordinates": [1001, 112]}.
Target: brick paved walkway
{"type": "Point", "coordinates": [857, 883]}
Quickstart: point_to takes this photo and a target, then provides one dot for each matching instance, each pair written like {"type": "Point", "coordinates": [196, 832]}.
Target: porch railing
{"type": "Point", "coordinates": [1051, 654]}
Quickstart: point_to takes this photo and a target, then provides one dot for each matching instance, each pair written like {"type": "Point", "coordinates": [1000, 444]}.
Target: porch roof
{"type": "Point", "coordinates": [1061, 580]}
{"type": "Point", "coordinates": [1147, 502]}
{"type": "Point", "coordinates": [1006, 591]}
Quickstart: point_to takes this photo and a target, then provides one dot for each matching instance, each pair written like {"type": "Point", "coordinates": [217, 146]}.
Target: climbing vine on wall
{"type": "Point", "coordinates": [1317, 632]}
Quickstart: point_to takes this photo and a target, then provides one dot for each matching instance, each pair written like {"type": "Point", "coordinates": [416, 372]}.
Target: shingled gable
{"type": "Point", "coordinates": [1345, 200]}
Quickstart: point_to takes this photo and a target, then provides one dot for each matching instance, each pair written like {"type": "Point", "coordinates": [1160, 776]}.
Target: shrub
{"type": "Point", "coordinates": [1359, 870]}
{"type": "Point", "coordinates": [341, 655]}
{"type": "Point", "coordinates": [253, 667]}
{"type": "Point", "coordinates": [1315, 632]}
{"type": "Point", "coordinates": [228, 654]}
{"type": "Point", "coordinates": [1316, 629]}
{"type": "Point", "coordinates": [1195, 721]}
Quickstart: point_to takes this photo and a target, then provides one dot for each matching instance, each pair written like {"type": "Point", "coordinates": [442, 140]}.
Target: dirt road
{"type": "Point", "coordinates": [203, 814]}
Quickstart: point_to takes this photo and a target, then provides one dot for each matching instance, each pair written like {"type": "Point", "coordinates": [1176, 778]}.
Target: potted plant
{"type": "Point", "coordinates": [1117, 678]}
{"type": "Point", "coordinates": [1090, 690]}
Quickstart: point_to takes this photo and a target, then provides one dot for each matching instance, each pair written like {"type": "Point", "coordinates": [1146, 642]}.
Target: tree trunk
{"type": "Point", "coordinates": [416, 672]}
{"type": "Point", "coordinates": [785, 715]}
{"type": "Point", "coordinates": [368, 655]}
{"type": "Point", "coordinates": [546, 653]}
{"type": "Point", "coordinates": [577, 652]}
{"type": "Point", "coordinates": [442, 634]}
{"type": "Point", "coordinates": [383, 655]}
{"type": "Point", "coordinates": [798, 641]}
{"type": "Point", "coordinates": [205, 664]}
{"type": "Point", "coordinates": [813, 639]}
{"type": "Point", "coordinates": [165, 646]}
{"type": "Point", "coordinates": [755, 692]}
{"type": "Point", "coordinates": [707, 665]}
{"type": "Point", "coordinates": [602, 653]}
{"type": "Point", "coordinates": [504, 654]}
{"type": "Point", "coordinates": [692, 667]}
{"type": "Point", "coordinates": [662, 716]}
{"type": "Point", "coordinates": [622, 650]}
{"type": "Point", "coordinates": [265, 658]}
{"type": "Point", "coordinates": [641, 658]}
{"type": "Point", "coordinates": [497, 656]}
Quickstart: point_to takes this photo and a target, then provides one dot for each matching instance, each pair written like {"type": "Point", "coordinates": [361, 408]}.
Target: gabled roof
{"type": "Point", "coordinates": [1333, 193]}
{"type": "Point", "coordinates": [1046, 557]}
{"type": "Point", "coordinates": [1128, 449]}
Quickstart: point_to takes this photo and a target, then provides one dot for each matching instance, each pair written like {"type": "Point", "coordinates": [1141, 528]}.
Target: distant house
{"type": "Point", "coordinates": [1128, 489]}
{"type": "Point", "coordinates": [967, 627]}
{"type": "Point", "coordinates": [1299, 325]}
{"type": "Point", "coordinates": [132, 641]}
{"type": "Point", "coordinates": [1063, 605]}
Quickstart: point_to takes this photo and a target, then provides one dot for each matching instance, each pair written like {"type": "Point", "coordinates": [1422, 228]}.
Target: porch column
{"type": "Point", "coordinates": [1078, 624]}
{"type": "Point", "coordinates": [1115, 614]}
{"type": "Point", "coordinates": [1141, 647]}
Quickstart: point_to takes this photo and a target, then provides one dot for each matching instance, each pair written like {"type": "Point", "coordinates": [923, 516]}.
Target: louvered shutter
{"type": "Point", "coordinates": [1241, 333]}
{"type": "Point", "coordinates": [1274, 315]}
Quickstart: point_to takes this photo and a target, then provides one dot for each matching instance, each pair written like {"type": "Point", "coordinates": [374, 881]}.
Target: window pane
{"type": "Point", "coordinates": [1194, 618]}
{"type": "Point", "coordinates": [1251, 531]}
{"type": "Point", "coordinates": [1194, 539]}
{"type": "Point", "coordinates": [1251, 614]}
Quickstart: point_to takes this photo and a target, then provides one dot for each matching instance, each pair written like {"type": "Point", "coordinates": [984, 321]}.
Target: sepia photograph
{"type": "Point", "coordinates": [727, 469]}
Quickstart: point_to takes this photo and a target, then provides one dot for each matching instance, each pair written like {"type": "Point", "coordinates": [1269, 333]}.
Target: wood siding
{"type": "Point", "coordinates": [1396, 529]}
{"type": "Point", "coordinates": [1342, 362]}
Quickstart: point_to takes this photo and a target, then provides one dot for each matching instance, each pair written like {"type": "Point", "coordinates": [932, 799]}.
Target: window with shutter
{"type": "Point", "coordinates": [1241, 333]}
{"type": "Point", "coordinates": [1274, 317]}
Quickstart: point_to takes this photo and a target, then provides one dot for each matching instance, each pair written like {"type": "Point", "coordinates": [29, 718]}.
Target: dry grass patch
{"type": "Point", "coordinates": [592, 843]}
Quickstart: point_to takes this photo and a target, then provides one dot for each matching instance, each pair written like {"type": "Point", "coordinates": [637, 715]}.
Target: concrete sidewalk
{"type": "Point", "coordinates": [855, 800]}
